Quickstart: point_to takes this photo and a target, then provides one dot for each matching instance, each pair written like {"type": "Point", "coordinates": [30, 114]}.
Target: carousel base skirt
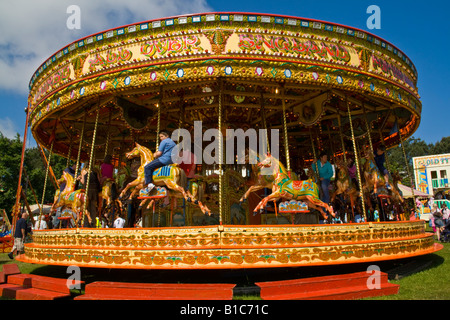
{"type": "Point", "coordinates": [229, 246]}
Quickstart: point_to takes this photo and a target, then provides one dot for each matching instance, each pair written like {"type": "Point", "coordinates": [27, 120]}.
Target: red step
{"type": "Point", "coordinates": [157, 291]}
{"type": "Point", "coordinates": [336, 287]}
{"type": "Point", "coordinates": [38, 294]}
{"type": "Point", "coordinates": [8, 269]}
{"type": "Point", "coordinates": [9, 291]}
{"type": "Point", "coordinates": [42, 282]}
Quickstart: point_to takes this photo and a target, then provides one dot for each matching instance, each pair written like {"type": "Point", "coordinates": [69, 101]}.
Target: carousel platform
{"type": "Point", "coordinates": [229, 246]}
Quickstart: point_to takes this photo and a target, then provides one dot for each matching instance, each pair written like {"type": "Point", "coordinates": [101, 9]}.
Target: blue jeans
{"type": "Point", "coordinates": [325, 183]}
{"type": "Point", "coordinates": [149, 168]}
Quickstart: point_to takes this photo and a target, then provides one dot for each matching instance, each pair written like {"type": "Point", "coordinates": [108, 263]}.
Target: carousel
{"type": "Point", "coordinates": [315, 86]}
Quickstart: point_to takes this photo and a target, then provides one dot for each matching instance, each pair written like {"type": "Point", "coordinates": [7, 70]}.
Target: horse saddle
{"type": "Point", "coordinates": [164, 171]}
{"type": "Point", "coordinates": [297, 185]}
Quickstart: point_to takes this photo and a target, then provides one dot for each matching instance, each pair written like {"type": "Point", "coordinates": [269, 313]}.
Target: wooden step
{"type": "Point", "coordinates": [119, 297]}
{"type": "Point", "coordinates": [9, 291]}
{"type": "Point", "coordinates": [43, 282]}
{"type": "Point", "coordinates": [345, 286]}
{"type": "Point", "coordinates": [348, 293]}
{"type": "Point", "coordinates": [39, 294]}
{"type": "Point", "coordinates": [8, 269]}
{"type": "Point", "coordinates": [158, 291]}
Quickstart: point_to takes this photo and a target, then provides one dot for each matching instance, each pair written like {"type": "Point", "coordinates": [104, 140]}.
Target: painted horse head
{"type": "Point", "coordinates": [139, 150]}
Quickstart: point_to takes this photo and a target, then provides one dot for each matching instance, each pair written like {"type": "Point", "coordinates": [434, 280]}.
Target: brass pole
{"type": "Point", "coordinates": [90, 166]}
{"type": "Point", "coordinates": [79, 149]}
{"type": "Point", "coordinates": [220, 155]}
{"type": "Point", "coordinates": [45, 182]}
{"type": "Point", "coordinates": [356, 157]}
{"type": "Point", "coordinates": [286, 144]}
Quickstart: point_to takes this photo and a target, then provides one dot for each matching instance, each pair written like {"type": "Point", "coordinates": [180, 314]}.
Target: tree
{"type": "Point", "coordinates": [442, 146]}
{"type": "Point", "coordinates": [414, 147]}
{"type": "Point", "coordinates": [34, 172]}
{"type": "Point", "coordinates": [10, 155]}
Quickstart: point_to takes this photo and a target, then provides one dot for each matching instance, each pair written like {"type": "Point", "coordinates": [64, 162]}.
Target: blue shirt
{"type": "Point", "coordinates": [325, 170]}
{"type": "Point", "coordinates": [166, 148]}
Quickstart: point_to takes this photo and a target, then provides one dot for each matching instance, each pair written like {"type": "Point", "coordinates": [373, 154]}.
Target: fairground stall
{"type": "Point", "coordinates": [318, 85]}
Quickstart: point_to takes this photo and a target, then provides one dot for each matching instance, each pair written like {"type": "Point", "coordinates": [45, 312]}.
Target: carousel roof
{"type": "Point", "coordinates": [256, 66]}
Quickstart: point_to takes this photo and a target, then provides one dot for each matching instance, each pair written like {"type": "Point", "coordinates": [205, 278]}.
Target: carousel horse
{"type": "Point", "coordinates": [396, 193]}
{"type": "Point", "coordinates": [171, 176]}
{"type": "Point", "coordinates": [343, 185]}
{"type": "Point", "coordinates": [74, 199]}
{"type": "Point", "coordinates": [285, 188]}
{"type": "Point", "coordinates": [110, 201]}
{"type": "Point", "coordinates": [260, 181]}
{"type": "Point", "coordinates": [374, 180]}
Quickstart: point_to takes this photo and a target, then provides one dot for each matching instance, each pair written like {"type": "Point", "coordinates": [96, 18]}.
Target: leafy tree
{"type": "Point", "coordinates": [34, 172]}
{"type": "Point", "coordinates": [414, 147]}
{"type": "Point", "coordinates": [10, 155]}
{"type": "Point", "coordinates": [442, 146]}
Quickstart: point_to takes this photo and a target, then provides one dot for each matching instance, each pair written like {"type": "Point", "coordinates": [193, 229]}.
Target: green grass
{"type": "Point", "coordinates": [429, 284]}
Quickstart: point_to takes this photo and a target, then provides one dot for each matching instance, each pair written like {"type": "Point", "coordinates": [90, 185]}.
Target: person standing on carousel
{"type": "Point", "coordinates": [323, 167]}
{"type": "Point", "coordinates": [163, 157]}
{"type": "Point", "coordinates": [92, 194]}
{"type": "Point", "coordinates": [380, 159]}
{"type": "Point", "coordinates": [106, 169]}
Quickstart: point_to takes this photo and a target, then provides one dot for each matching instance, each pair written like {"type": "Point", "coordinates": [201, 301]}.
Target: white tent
{"type": "Point", "coordinates": [35, 208]}
{"type": "Point", "coordinates": [407, 192]}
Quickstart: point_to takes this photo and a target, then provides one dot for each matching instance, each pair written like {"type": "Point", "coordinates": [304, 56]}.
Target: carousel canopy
{"type": "Point", "coordinates": [308, 77]}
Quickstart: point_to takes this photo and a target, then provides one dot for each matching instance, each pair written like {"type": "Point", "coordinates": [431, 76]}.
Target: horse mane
{"type": "Point", "coordinates": [282, 169]}
{"type": "Point", "coordinates": [69, 181]}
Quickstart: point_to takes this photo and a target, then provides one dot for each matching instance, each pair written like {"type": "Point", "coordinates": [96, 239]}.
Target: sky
{"type": "Point", "coordinates": [33, 30]}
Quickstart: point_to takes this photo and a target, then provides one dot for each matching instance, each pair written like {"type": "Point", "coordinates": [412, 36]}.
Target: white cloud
{"type": "Point", "coordinates": [32, 30]}
{"type": "Point", "coordinates": [7, 128]}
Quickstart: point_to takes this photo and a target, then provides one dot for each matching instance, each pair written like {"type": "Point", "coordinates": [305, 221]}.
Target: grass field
{"type": "Point", "coordinates": [430, 283]}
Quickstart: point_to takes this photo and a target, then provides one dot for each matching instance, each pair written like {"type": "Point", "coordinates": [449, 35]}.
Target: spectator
{"type": "Point", "coordinates": [40, 224]}
{"type": "Point", "coordinates": [20, 233]}
{"type": "Point", "coordinates": [119, 222]}
{"type": "Point", "coordinates": [445, 213]}
{"type": "Point", "coordinates": [437, 219]}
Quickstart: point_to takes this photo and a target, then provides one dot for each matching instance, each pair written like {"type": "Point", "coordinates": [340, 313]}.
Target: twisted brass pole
{"type": "Point", "coordinates": [88, 174]}
{"type": "Point", "coordinates": [356, 158]}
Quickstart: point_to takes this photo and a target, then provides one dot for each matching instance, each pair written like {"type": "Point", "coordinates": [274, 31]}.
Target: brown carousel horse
{"type": "Point", "coordinates": [343, 185]}
{"type": "Point", "coordinates": [375, 181]}
{"type": "Point", "coordinates": [110, 205]}
{"type": "Point", "coordinates": [171, 176]}
{"type": "Point", "coordinates": [285, 188]}
{"type": "Point", "coordinates": [70, 198]}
